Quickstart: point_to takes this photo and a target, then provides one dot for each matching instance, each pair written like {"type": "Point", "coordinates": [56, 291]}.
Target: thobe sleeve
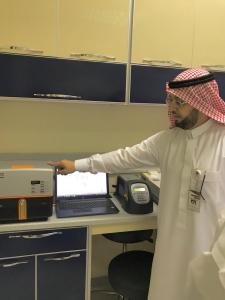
{"type": "Point", "coordinates": [138, 157]}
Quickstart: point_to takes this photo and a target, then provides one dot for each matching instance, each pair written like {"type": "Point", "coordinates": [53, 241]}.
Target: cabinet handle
{"type": "Point", "coordinates": [35, 236]}
{"type": "Point", "coordinates": [14, 264]}
{"type": "Point", "coordinates": [92, 56]}
{"type": "Point", "coordinates": [165, 63]}
{"type": "Point", "coordinates": [214, 67]}
{"type": "Point", "coordinates": [21, 49]}
{"type": "Point", "coordinates": [62, 258]}
{"type": "Point", "coordinates": [60, 96]}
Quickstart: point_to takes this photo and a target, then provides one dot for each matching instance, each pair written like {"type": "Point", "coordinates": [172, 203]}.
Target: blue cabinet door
{"type": "Point", "coordinates": [148, 83]}
{"type": "Point", "coordinates": [61, 276]}
{"type": "Point", "coordinates": [17, 279]}
{"type": "Point", "coordinates": [55, 78]}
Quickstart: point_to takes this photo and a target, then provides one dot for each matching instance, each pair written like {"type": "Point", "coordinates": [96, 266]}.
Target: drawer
{"type": "Point", "coordinates": [22, 243]}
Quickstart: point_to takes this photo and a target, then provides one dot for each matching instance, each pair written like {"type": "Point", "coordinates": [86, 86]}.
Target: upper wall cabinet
{"type": "Point", "coordinates": [209, 37]}
{"type": "Point", "coordinates": [28, 26]}
{"type": "Point", "coordinates": [94, 30]}
{"type": "Point", "coordinates": [162, 46]}
{"type": "Point", "coordinates": [163, 32]}
{"type": "Point", "coordinates": [87, 29]}
{"type": "Point", "coordinates": [81, 39]}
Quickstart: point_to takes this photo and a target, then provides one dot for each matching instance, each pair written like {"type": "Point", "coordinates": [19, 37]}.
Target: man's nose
{"type": "Point", "coordinates": [173, 106]}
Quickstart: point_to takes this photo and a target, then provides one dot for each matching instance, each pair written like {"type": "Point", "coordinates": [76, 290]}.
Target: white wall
{"type": "Point", "coordinates": [43, 127]}
{"type": "Point", "coordinates": [39, 127]}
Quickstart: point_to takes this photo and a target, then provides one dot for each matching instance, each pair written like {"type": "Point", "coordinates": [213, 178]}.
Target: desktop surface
{"type": "Point", "coordinates": [98, 224]}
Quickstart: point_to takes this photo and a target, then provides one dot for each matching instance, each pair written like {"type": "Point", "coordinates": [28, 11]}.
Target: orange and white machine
{"type": "Point", "coordinates": [26, 191]}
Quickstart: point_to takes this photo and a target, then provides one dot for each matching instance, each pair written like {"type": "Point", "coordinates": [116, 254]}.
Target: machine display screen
{"type": "Point", "coordinates": [35, 182]}
{"type": "Point", "coordinates": [139, 189]}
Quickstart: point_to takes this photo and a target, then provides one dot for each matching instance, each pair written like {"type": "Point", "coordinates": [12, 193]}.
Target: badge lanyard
{"type": "Point", "coordinates": [195, 190]}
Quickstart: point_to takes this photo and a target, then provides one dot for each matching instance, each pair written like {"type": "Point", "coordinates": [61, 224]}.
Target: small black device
{"type": "Point", "coordinates": [154, 191]}
{"type": "Point", "coordinates": [134, 194]}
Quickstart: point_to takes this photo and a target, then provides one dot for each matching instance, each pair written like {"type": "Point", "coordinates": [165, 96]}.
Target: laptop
{"type": "Point", "coordinates": [83, 194]}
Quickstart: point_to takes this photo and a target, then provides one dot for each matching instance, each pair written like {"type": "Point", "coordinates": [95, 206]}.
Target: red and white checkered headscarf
{"type": "Point", "coordinates": [202, 96]}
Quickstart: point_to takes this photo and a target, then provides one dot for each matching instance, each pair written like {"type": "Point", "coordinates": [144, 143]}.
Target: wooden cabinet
{"type": "Point", "coordinates": [28, 26]}
{"type": "Point", "coordinates": [88, 44]}
{"type": "Point", "coordinates": [163, 32]}
{"type": "Point", "coordinates": [40, 265]}
{"type": "Point", "coordinates": [95, 30]}
{"type": "Point", "coordinates": [162, 46]}
{"type": "Point", "coordinates": [209, 38]}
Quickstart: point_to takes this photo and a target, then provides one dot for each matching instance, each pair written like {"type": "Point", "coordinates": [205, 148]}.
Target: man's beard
{"type": "Point", "coordinates": [188, 122]}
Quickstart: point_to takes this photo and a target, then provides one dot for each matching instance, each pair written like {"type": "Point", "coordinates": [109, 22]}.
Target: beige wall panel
{"type": "Point", "coordinates": [33, 127]}
{"type": "Point", "coordinates": [29, 24]}
{"type": "Point", "coordinates": [163, 30]}
{"type": "Point", "coordinates": [97, 27]}
{"type": "Point", "coordinates": [209, 43]}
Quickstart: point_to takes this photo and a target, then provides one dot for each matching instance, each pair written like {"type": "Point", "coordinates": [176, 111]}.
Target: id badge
{"type": "Point", "coordinates": [194, 193]}
{"type": "Point", "coordinates": [194, 201]}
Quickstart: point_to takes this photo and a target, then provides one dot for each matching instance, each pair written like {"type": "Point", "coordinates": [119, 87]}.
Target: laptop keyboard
{"type": "Point", "coordinates": [86, 204]}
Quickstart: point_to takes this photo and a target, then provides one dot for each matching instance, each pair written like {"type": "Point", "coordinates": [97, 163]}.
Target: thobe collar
{"type": "Point", "coordinates": [193, 133]}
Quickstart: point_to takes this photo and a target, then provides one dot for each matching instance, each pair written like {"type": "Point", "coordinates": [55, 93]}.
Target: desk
{"type": "Point", "coordinates": [95, 225]}
{"type": "Point", "coordinates": [59, 250]}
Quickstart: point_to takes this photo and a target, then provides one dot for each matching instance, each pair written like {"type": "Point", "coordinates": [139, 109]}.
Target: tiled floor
{"type": "Point", "coordinates": [100, 285]}
{"type": "Point", "coordinates": [102, 296]}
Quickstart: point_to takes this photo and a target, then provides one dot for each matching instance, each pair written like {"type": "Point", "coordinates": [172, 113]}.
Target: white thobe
{"type": "Point", "coordinates": [206, 272]}
{"type": "Point", "coordinates": [182, 233]}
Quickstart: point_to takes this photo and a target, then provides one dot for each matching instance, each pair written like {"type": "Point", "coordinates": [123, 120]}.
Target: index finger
{"type": "Point", "coordinates": [55, 163]}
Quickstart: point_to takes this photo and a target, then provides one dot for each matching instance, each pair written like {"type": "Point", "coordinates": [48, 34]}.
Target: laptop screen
{"type": "Point", "coordinates": [82, 183]}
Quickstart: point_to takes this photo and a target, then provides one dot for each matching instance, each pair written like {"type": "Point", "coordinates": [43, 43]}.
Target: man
{"type": "Point", "coordinates": [191, 157]}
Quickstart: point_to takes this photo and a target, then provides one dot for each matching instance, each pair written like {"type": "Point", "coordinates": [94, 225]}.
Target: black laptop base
{"type": "Point", "coordinates": [85, 207]}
